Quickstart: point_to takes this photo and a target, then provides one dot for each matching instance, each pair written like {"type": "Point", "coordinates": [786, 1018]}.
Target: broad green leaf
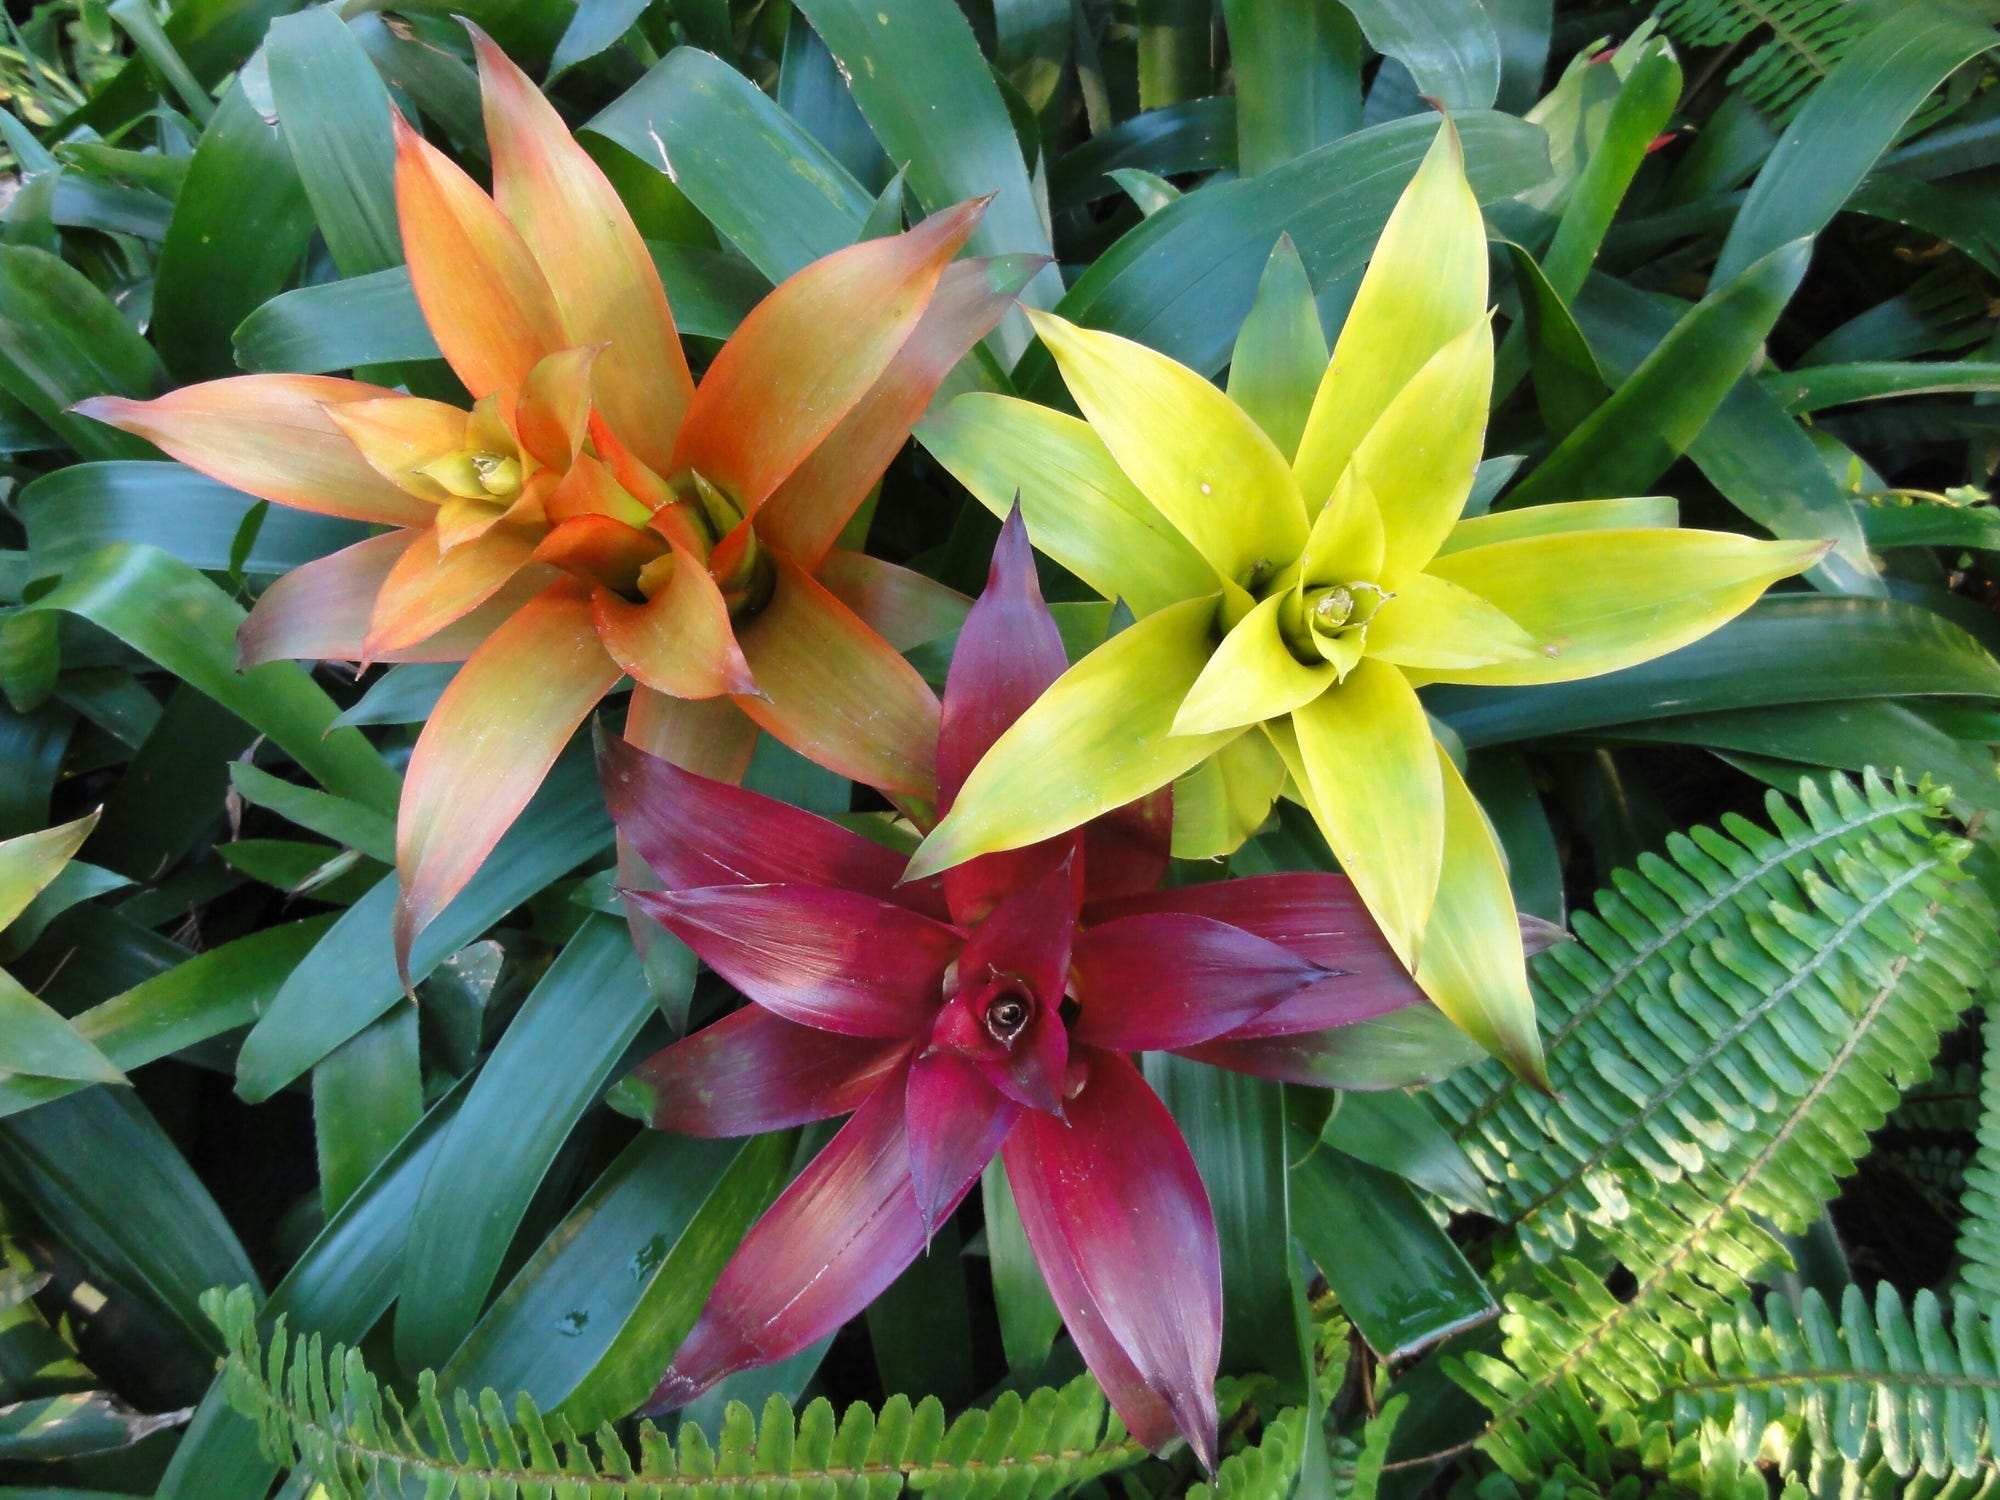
{"type": "Point", "coordinates": [1793, 648]}
{"type": "Point", "coordinates": [1523, 28]}
{"type": "Point", "coordinates": [28, 863]}
{"type": "Point", "coordinates": [1932, 526]}
{"type": "Point", "coordinates": [1253, 676]}
{"type": "Point", "coordinates": [402, 695]}
{"type": "Point", "coordinates": [1029, 1317]}
{"type": "Point", "coordinates": [333, 113]}
{"type": "Point", "coordinates": [1366, 750]}
{"type": "Point", "coordinates": [350, 977]}
{"type": "Point", "coordinates": [918, 75]}
{"type": "Point", "coordinates": [1394, 1131]}
{"type": "Point", "coordinates": [77, 510]}
{"type": "Point", "coordinates": [149, 1227]}
{"type": "Point", "coordinates": [1568, 384]}
{"type": "Point", "coordinates": [367, 1094]}
{"type": "Point", "coordinates": [1425, 286]}
{"type": "Point", "coordinates": [73, 1425]}
{"type": "Point", "coordinates": [594, 26]}
{"type": "Point", "coordinates": [76, 883]}
{"type": "Point", "coordinates": [36, 1042]}
{"type": "Point", "coordinates": [1596, 601]}
{"type": "Point", "coordinates": [920, 1326]}
{"type": "Point", "coordinates": [1397, 1274]}
{"type": "Point", "coordinates": [1173, 47]}
{"type": "Point", "coordinates": [1195, 136]}
{"type": "Point", "coordinates": [1107, 721]}
{"type": "Point", "coordinates": [172, 793]}
{"type": "Point", "coordinates": [208, 994]}
{"type": "Point", "coordinates": [1149, 193]}
{"type": "Point", "coordinates": [1183, 280]}
{"type": "Point", "coordinates": [1506, 789]}
{"type": "Point", "coordinates": [61, 339]}
{"type": "Point", "coordinates": [812, 91]}
{"type": "Point", "coordinates": [337, 818]}
{"type": "Point", "coordinates": [1815, 387]}
{"type": "Point", "coordinates": [1201, 461]}
{"type": "Point", "coordinates": [1298, 78]}
{"type": "Point", "coordinates": [1652, 418]}
{"type": "Point", "coordinates": [1450, 49]}
{"type": "Point", "coordinates": [31, 746]}
{"type": "Point", "coordinates": [1846, 124]}
{"type": "Point", "coordinates": [1079, 506]}
{"type": "Point", "coordinates": [620, 1282]}
{"type": "Point", "coordinates": [240, 226]}
{"type": "Point", "coordinates": [169, 613]}
{"type": "Point", "coordinates": [1646, 99]}
{"type": "Point", "coordinates": [1281, 353]}
{"type": "Point", "coordinates": [556, 1058]}
{"type": "Point", "coordinates": [768, 187]}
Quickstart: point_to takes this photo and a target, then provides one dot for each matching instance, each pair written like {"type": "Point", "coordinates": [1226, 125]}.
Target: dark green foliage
{"type": "Point", "coordinates": [1796, 43]}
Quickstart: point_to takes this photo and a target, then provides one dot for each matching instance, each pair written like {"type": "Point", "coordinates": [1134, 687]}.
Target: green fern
{"type": "Point", "coordinates": [1733, 1024]}
{"type": "Point", "coordinates": [1807, 38]}
{"type": "Point", "coordinates": [323, 1412]}
{"type": "Point", "coordinates": [1979, 1232]}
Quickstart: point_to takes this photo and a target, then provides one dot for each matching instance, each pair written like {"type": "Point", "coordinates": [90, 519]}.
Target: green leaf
{"type": "Point", "coordinates": [554, 1061]}
{"type": "Point", "coordinates": [169, 613]}
{"type": "Point", "coordinates": [367, 1094]}
{"type": "Point", "coordinates": [1184, 280]}
{"type": "Point", "coordinates": [404, 694]}
{"type": "Point", "coordinates": [1174, 49]}
{"type": "Point", "coordinates": [1568, 384]}
{"type": "Point", "coordinates": [1281, 354]}
{"type": "Point", "coordinates": [1815, 387]}
{"type": "Point", "coordinates": [30, 861]}
{"type": "Point", "coordinates": [1393, 1131]}
{"type": "Point", "coordinates": [1790, 648]}
{"type": "Point", "coordinates": [61, 339]}
{"type": "Point", "coordinates": [1645, 102]}
{"type": "Point", "coordinates": [72, 1426]}
{"type": "Point", "coordinates": [621, 1281]}
{"type": "Point", "coordinates": [1931, 526]}
{"type": "Point", "coordinates": [240, 226]}
{"type": "Point", "coordinates": [765, 184]}
{"type": "Point", "coordinates": [1194, 136]}
{"type": "Point", "coordinates": [1029, 1317]}
{"type": "Point", "coordinates": [1298, 78]}
{"type": "Point", "coordinates": [1398, 1276]}
{"type": "Point", "coordinates": [337, 818]}
{"type": "Point", "coordinates": [812, 90]}
{"type": "Point", "coordinates": [1628, 442]}
{"type": "Point", "coordinates": [333, 113]}
{"type": "Point", "coordinates": [350, 977]}
{"type": "Point", "coordinates": [77, 510]}
{"type": "Point", "coordinates": [36, 1042]}
{"type": "Point", "coordinates": [1846, 125]}
{"type": "Point", "coordinates": [921, 82]}
{"type": "Point", "coordinates": [594, 26]}
{"type": "Point", "coordinates": [1450, 49]}
{"type": "Point", "coordinates": [920, 1327]}
{"type": "Point", "coordinates": [149, 1227]}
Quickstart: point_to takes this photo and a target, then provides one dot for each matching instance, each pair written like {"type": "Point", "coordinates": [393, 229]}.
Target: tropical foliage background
{"type": "Point", "coordinates": [1751, 1242]}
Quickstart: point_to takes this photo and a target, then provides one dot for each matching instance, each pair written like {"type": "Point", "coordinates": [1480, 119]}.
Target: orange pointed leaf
{"type": "Point", "coordinates": [427, 589]}
{"type": "Point", "coordinates": [679, 641]}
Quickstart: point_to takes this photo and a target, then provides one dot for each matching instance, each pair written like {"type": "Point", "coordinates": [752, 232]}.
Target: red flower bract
{"type": "Point", "coordinates": [990, 1009]}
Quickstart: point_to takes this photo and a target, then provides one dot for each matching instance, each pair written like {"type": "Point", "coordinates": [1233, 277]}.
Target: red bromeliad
{"type": "Point", "coordinates": [993, 1008]}
{"type": "Point", "coordinates": [597, 514]}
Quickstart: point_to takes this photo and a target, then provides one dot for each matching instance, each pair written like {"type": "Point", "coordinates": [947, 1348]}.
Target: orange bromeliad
{"type": "Point", "coordinates": [596, 514]}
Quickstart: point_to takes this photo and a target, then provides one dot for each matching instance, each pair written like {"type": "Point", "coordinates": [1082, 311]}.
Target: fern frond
{"type": "Point", "coordinates": [1979, 1232]}
{"type": "Point", "coordinates": [1947, 1103]}
{"type": "Point", "coordinates": [1733, 1024]}
{"type": "Point", "coordinates": [1807, 38]}
{"type": "Point", "coordinates": [321, 1411]}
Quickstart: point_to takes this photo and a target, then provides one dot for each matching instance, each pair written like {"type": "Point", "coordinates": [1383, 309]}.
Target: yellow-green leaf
{"type": "Point", "coordinates": [36, 1041]}
{"type": "Point", "coordinates": [1425, 284]}
{"type": "Point", "coordinates": [1369, 764]}
{"type": "Point", "coordinates": [1595, 601]}
{"type": "Point", "coordinates": [1080, 508]}
{"type": "Point", "coordinates": [1347, 544]}
{"type": "Point", "coordinates": [1253, 676]}
{"type": "Point", "coordinates": [1100, 737]}
{"type": "Point", "coordinates": [1433, 624]}
{"type": "Point", "coordinates": [1281, 351]}
{"type": "Point", "coordinates": [1226, 798]}
{"type": "Point", "coordinates": [31, 861]}
{"type": "Point", "coordinates": [1421, 454]}
{"type": "Point", "coordinates": [1569, 515]}
{"type": "Point", "coordinates": [1192, 451]}
{"type": "Point", "coordinates": [1472, 965]}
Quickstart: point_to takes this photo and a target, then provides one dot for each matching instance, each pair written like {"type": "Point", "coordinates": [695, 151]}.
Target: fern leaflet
{"type": "Point", "coordinates": [1807, 38]}
{"type": "Point", "coordinates": [1979, 1234]}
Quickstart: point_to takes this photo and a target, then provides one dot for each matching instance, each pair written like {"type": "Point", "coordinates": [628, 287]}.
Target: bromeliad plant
{"type": "Point", "coordinates": [596, 514]}
{"type": "Point", "coordinates": [1298, 550]}
{"type": "Point", "coordinates": [991, 1009]}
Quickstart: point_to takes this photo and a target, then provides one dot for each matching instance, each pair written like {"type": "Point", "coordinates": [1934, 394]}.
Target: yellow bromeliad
{"type": "Point", "coordinates": [1297, 555]}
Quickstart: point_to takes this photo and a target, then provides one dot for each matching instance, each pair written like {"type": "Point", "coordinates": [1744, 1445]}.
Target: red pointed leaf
{"type": "Point", "coordinates": [1120, 1225]}
{"type": "Point", "coordinates": [956, 1121]}
{"type": "Point", "coordinates": [753, 1071]}
{"type": "Point", "coordinates": [844, 1229]}
{"type": "Point", "coordinates": [1169, 979]}
{"type": "Point", "coordinates": [1130, 848]}
{"type": "Point", "coordinates": [823, 957]}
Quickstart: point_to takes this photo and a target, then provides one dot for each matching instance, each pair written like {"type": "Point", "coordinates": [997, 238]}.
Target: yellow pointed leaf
{"type": "Point", "coordinates": [1080, 508]}
{"type": "Point", "coordinates": [1473, 966]}
{"type": "Point", "coordinates": [37, 1041]}
{"type": "Point", "coordinates": [1421, 454]}
{"type": "Point", "coordinates": [1425, 284]}
{"type": "Point", "coordinates": [29, 862]}
{"type": "Point", "coordinates": [1434, 624]}
{"type": "Point", "coordinates": [1347, 543]}
{"type": "Point", "coordinates": [1225, 799]}
{"type": "Point", "coordinates": [1192, 451]}
{"type": "Point", "coordinates": [1595, 601]}
{"type": "Point", "coordinates": [1280, 352]}
{"type": "Point", "coordinates": [1569, 515]}
{"type": "Point", "coordinates": [1101, 736]}
{"type": "Point", "coordinates": [1371, 773]}
{"type": "Point", "coordinates": [1253, 676]}
{"type": "Point", "coordinates": [400, 435]}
